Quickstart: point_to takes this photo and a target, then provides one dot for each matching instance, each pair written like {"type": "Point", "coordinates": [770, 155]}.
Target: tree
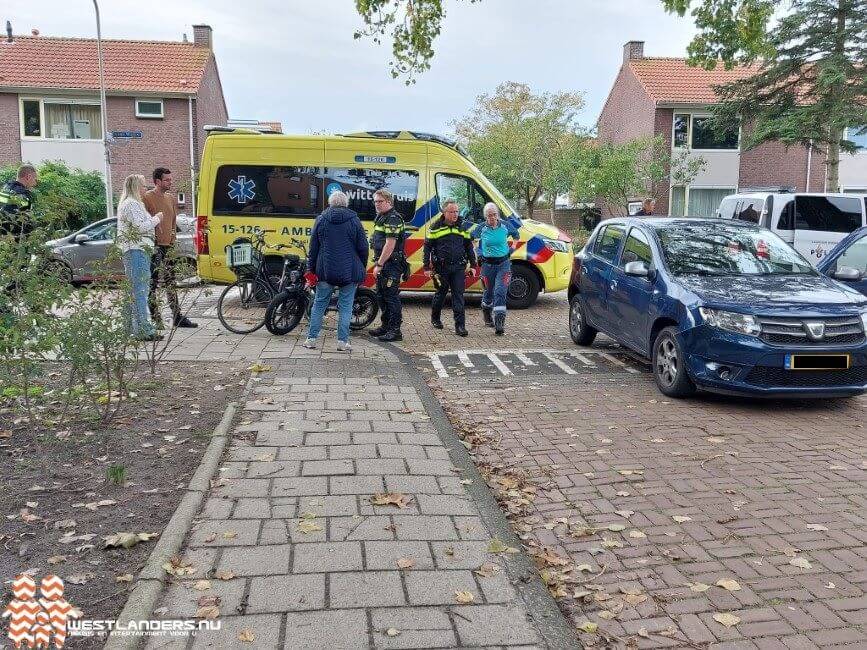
{"type": "Point", "coordinates": [810, 82]}
{"type": "Point", "coordinates": [524, 141]}
{"type": "Point", "coordinates": [615, 173]}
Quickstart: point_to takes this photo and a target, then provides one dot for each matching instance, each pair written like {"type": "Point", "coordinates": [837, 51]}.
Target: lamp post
{"type": "Point", "coordinates": [109, 199]}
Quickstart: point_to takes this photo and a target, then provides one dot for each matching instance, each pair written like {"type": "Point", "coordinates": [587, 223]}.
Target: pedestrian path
{"type": "Point", "coordinates": [530, 362]}
{"type": "Point", "coordinates": [338, 520]}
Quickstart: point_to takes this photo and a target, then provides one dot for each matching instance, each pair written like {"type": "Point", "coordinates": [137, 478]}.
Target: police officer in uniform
{"type": "Point", "coordinates": [16, 199]}
{"type": "Point", "coordinates": [448, 248]}
{"type": "Point", "coordinates": [389, 234]}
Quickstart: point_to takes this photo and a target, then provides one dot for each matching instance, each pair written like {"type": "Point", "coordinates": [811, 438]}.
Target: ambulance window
{"type": "Point", "coordinates": [360, 184]}
{"type": "Point", "coordinates": [470, 197]}
{"type": "Point", "coordinates": [266, 189]}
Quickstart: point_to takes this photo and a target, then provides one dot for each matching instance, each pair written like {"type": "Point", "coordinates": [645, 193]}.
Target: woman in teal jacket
{"type": "Point", "coordinates": [496, 266]}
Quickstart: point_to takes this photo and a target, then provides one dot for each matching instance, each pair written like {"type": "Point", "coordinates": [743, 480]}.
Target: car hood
{"type": "Point", "coordinates": [60, 241]}
{"type": "Point", "coordinates": [772, 292]}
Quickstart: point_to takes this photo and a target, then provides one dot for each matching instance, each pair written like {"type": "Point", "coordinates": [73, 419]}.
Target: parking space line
{"type": "Point", "coordinates": [438, 366]}
{"type": "Point", "coordinates": [464, 358]}
{"type": "Point", "coordinates": [523, 358]}
{"type": "Point", "coordinates": [618, 362]}
{"type": "Point", "coordinates": [499, 364]}
{"type": "Point", "coordinates": [583, 359]}
{"type": "Point", "coordinates": [562, 366]}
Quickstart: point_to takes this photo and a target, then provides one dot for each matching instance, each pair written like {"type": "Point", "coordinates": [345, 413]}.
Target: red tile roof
{"type": "Point", "coordinates": [673, 81]}
{"type": "Point", "coordinates": [71, 63]}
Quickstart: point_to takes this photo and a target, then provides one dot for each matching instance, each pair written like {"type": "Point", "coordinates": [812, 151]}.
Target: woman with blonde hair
{"type": "Point", "coordinates": [135, 237]}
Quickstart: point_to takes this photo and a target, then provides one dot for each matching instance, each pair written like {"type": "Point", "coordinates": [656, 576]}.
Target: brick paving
{"type": "Point", "coordinates": [313, 562]}
{"type": "Point", "coordinates": [754, 485]}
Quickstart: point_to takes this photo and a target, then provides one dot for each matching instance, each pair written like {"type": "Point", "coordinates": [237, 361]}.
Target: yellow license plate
{"type": "Point", "coordinates": [818, 362]}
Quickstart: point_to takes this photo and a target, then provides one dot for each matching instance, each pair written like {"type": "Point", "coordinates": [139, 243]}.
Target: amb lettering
{"type": "Point", "coordinates": [296, 231]}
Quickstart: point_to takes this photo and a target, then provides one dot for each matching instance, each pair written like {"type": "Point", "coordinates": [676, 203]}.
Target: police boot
{"type": "Point", "coordinates": [391, 337]}
{"type": "Point", "coordinates": [499, 323]}
{"type": "Point", "coordinates": [460, 330]}
{"type": "Point", "coordinates": [436, 322]}
{"type": "Point", "coordinates": [377, 331]}
{"type": "Point", "coordinates": [486, 314]}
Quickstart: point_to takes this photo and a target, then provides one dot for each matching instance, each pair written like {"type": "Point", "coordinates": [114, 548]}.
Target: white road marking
{"type": "Point", "coordinates": [583, 359]}
{"type": "Point", "coordinates": [617, 362]}
{"type": "Point", "coordinates": [562, 366]}
{"type": "Point", "coordinates": [438, 366]}
{"type": "Point", "coordinates": [523, 358]}
{"type": "Point", "coordinates": [464, 358]}
{"type": "Point", "coordinates": [504, 370]}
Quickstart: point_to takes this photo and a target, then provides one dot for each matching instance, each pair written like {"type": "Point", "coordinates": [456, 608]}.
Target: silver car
{"type": "Point", "coordinates": [82, 255]}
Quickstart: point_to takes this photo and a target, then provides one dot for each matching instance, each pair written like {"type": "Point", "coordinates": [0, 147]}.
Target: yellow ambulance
{"type": "Point", "coordinates": [252, 181]}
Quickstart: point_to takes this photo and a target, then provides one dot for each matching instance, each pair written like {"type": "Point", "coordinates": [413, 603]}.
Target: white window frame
{"type": "Point", "coordinates": [687, 188]}
{"type": "Point", "coordinates": [150, 116]}
{"type": "Point", "coordinates": [181, 198]}
{"type": "Point", "coordinates": [846, 137]}
{"type": "Point", "coordinates": [54, 100]}
{"type": "Point", "coordinates": [689, 131]}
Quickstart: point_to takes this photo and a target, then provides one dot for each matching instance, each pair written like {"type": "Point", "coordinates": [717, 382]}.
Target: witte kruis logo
{"type": "Point", "coordinates": [37, 623]}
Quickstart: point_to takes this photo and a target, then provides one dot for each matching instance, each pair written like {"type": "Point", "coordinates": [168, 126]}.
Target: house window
{"type": "Point", "coordinates": [681, 130]}
{"type": "Point", "coordinates": [678, 201]}
{"type": "Point", "coordinates": [703, 202]}
{"type": "Point", "coordinates": [31, 118]}
{"type": "Point", "coordinates": [705, 137]}
{"type": "Point", "coordinates": [71, 121]}
{"type": "Point", "coordinates": [150, 108]}
{"type": "Point", "coordinates": [182, 198]}
{"type": "Point", "coordinates": [857, 135]}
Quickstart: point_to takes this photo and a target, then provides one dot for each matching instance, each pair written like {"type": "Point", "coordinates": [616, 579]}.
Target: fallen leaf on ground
{"type": "Point", "coordinates": [127, 540]}
{"type": "Point", "coordinates": [611, 543]}
{"type": "Point", "coordinates": [209, 612]}
{"type": "Point", "coordinates": [202, 585]}
{"type": "Point", "coordinates": [230, 534]}
{"type": "Point", "coordinates": [584, 567]}
{"type": "Point", "coordinates": [99, 504]}
{"type": "Point", "coordinates": [307, 515]}
{"type": "Point", "coordinates": [257, 368]}
{"type": "Point", "coordinates": [681, 518]}
{"type": "Point", "coordinates": [817, 527]}
{"type": "Point", "coordinates": [588, 627]}
{"type": "Point", "coordinates": [728, 585]}
{"type": "Point", "coordinates": [392, 632]}
{"type": "Point", "coordinates": [637, 534]}
{"type": "Point", "coordinates": [405, 563]}
{"type": "Point", "coordinates": [496, 546]}
{"type": "Point", "coordinates": [210, 538]}
{"type": "Point", "coordinates": [179, 567]}
{"type": "Point", "coordinates": [464, 597]}
{"type": "Point", "coordinates": [635, 599]}
{"type": "Point", "coordinates": [623, 493]}
{"type": "Point", "coordinates": [616, 528]}
{"type": "Point", "coordinates": [830, 585]}
{"type": "Point", "coordinates": [308, 527]}
{"type": "Point", "coordinates": [552, 559]}
{"type": "Point", "coordinates": [56, 559]}
{"type": "Point", "coordinates": [247, 635]}
{"type": "Point", "coordinates": [487, 570]}
{"type": "Point", "coordinates": [391, 499]}
{"type": "Point", "coordinates": [126, 577]}
{"type": "Point", "coordinates": [606, 614]}
{"type": "Point", "coordinates": [64, 524]}
{"type": "Point", "coordinates": [716, 440]}
{"type": "Point", "coordinates": [801, 562]}
{"type": "Point", "coordinates": [5, 433]}
{"type": "Point", "coordinates": [643, 633]}
{"type": "Point", "coordinates": [698, 587]}
{"type": "Point", "coordinates": [225, 575]}
{"type": "Point", "coordinates": [726, 619]}
{"type": "Point", "coordinates": [626, 514]}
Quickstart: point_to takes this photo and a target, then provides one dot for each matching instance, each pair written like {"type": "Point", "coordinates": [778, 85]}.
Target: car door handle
{"type": "Point", "coordinates": [614, 284]}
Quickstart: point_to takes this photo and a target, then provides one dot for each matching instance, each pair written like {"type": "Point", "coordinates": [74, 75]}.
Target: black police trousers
{"type": "Point", "coordinates": [388, 294]}
{"type": "Point", "coordinates": [450, 280]}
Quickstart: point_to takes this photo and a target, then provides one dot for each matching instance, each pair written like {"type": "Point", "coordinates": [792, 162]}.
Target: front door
{"type": "Point", "coordinates": [94, 258]}
{"type": "Point", "coordinates": [596, 279]}
{"type": "Point", "coordinates": [630, 296]}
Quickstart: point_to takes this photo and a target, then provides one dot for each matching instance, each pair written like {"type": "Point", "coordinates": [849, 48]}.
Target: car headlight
{"type": "Point", "coordinates": [556, 245]}
{"type": "Point", "coordinates": [731, 321]}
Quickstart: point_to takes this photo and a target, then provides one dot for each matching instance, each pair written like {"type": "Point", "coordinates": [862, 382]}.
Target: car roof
{"type": "Point", "coordinates": [662, 223]}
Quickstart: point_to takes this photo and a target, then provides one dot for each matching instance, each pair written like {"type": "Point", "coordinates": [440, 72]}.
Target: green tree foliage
{"type": "Point", "coordinates": [810, 57]}
{"type": "Point", "coordinates": [526, 143]}
{"type": "Point", "coordinates": [74, 197]}
{"type": "Point", "coordinates": [615, 173]}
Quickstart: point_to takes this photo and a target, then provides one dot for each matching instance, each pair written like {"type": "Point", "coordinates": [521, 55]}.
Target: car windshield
{"type": "Point", "coordinates": [723, 249]}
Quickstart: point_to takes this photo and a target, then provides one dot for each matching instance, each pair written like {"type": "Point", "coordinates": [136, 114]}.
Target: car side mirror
{"type": "Point", "coordinates": [637, 269]}
{"type": "Point", "coordinates": [81, 239]}
{"type": "Point", "coordinates": [847, 274]}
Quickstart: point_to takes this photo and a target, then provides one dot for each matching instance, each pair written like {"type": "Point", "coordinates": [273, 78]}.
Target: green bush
{"type": "Point", "coordinates": [76, 195]}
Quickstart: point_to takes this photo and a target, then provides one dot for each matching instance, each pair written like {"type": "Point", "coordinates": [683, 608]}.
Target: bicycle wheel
{"type": "Point", "coordinates": [365, 307]}
{"type": "Point", "coordinates": [285, 312]}
{"type": "Point", "coordinates": [242, 305]}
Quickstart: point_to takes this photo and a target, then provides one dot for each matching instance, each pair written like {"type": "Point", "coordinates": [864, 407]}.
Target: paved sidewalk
{"type": "Point", "coordinates": [296, 552]}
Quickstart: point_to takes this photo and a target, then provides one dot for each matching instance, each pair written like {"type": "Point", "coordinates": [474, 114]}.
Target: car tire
{"type": "Point", "coordinates": [579, 330]}
{"type": "Point", "coordinates": [61, 270]}
{"type": "Point", "coordinates": [523, 288]}
{"type": "Point", "coordinates": [669, 365]}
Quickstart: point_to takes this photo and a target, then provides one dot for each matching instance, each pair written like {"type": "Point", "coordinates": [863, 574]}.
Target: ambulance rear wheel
{"type": "Point", "coordinates": [523, 288]}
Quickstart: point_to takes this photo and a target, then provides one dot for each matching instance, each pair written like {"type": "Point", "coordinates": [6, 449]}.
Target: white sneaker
{"type": "Point", "coordinates": [343, 346]}
{"type": "Point", "coordinates": [310, 344]}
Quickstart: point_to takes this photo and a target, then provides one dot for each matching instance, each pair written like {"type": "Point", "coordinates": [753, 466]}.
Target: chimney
{"type": "Point", "coordinates": [34, 32]}
{"type": "Point", "coordinates": [203, 36]}
{"type": "Point", "coordinates": [8, 31]}
{"type": "Point", "coordinates": [633, 50]}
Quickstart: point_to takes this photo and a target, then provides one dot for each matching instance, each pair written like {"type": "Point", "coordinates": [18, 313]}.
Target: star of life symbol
{"type": "Point", "coordinates": [36, 623]}
{"type": "Point", "coordinates": [241, 189]}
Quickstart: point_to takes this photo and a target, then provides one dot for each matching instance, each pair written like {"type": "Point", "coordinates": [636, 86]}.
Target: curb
{"type": "Point", "coordinates": [150, 582]}
{"type": "Point", "coordinates": [543, 611]}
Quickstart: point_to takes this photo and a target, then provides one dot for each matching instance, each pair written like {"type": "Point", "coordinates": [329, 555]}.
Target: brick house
{"type": "Point", "coordinates": [664, 96]}
{"type": "Point", "coordinates": [160, 95]}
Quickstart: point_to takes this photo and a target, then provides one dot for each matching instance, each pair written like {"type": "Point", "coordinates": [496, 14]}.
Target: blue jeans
{"type": "Point", "coordinates": [137, 265]}
{"type": "Point", "coordinates": [496, 278]}
{"type": "Point", "coordinates": [345, 298]}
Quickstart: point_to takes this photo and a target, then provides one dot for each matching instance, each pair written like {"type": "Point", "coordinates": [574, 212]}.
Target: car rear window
{"type": "Point", "coordinates": [608, 242]}
{"type": "Point", "coordinates": [827, 213]}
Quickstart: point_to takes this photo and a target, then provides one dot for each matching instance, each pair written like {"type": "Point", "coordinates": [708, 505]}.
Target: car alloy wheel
{"type": "Point", "coordinates": [667, 362]}
{"type": "Point", "coordinates": [518, 288]}
{"type": "Point", "coordinates": [576, 320]}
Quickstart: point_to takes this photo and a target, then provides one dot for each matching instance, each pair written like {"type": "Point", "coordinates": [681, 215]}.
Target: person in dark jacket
{"type": "Point", "coordinates": [647, 208]}
{"type": "Point", "coordinates": [16, 199]}
{"type": "Point", "coordinates": [338, 259]}
{"type": "Point", "coordinates": [389, 238]}
{"type": "Point", "coordinates": [448, 248]}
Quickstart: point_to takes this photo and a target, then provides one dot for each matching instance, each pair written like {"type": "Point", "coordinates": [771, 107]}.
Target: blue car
{"type": "Point", "coordinates": [847, 261]}
{"type": "Point", "coordinates": [724, 306]}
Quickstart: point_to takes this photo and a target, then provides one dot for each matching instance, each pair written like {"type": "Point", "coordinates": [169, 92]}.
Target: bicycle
{"type": "Point", "coordinates": [242, 305]}
{"type": "Point", "coordinates": [296, 301]}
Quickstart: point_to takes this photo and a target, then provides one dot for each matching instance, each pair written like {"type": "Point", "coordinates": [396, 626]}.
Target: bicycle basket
{"type": "Point", "coordinates": [242, 258]}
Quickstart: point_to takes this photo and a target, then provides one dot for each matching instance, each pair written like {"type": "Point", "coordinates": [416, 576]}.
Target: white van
{"type": "Point", "coordinates": [812, 223]}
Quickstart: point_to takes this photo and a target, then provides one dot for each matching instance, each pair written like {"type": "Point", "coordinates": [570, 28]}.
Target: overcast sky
{"type": "Point", "coordinates": [296, 60]}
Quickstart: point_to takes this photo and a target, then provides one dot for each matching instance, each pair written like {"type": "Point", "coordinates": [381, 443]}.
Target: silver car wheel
{"type": "Point", "coordinates": [667, 362]}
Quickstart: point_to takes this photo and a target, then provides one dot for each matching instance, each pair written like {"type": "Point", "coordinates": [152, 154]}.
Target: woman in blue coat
{"type": "Point", "coordinates": [494, 252]}
{"type": "Point", "coordinates": [338, 257]}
